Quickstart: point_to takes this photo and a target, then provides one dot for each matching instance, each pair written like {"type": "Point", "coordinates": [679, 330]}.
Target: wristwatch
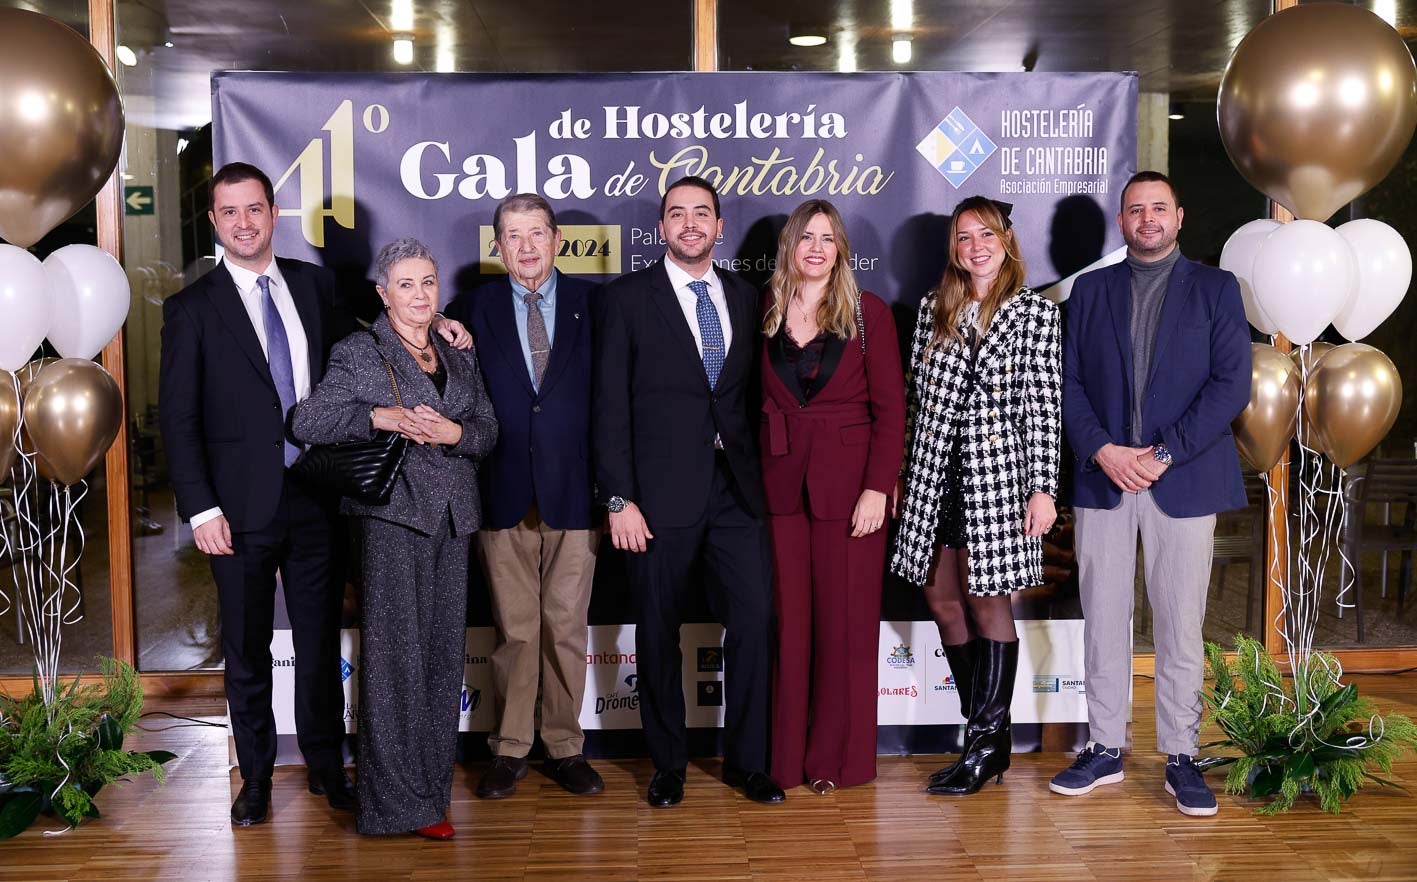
{"type": "Point", "coordinates": [615, 504]}
{"type": "Point", "coordinates": [1162, 455]}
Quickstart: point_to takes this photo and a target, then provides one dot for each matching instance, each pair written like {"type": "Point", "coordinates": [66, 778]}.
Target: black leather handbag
{"type": "Point", "coordinates": [365, 471]}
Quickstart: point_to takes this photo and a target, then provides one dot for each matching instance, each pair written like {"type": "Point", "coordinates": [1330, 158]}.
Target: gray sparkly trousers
{"type": "Point", "coordinates": [412, 643]}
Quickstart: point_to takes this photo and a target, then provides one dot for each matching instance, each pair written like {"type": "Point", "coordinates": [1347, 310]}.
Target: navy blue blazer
{"type": "Point", "coordinates": [1199, 383]}
{"type": "Point", "coordinates": [543, 442]}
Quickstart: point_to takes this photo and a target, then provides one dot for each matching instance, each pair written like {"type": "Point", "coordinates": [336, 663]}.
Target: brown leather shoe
{"type": "Point", "coordinates": [500, 779]}
{"type": "Point", "coordinates": [575, 775]}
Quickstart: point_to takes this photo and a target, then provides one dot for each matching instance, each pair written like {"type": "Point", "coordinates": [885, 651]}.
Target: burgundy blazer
{"type": "Point", "coordinates": [849, 437]}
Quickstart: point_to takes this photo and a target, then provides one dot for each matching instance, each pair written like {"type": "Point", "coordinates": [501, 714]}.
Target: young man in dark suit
{"type": "Point", "coordinates": [1156, 365]}
{"type": "Point", "coordinates": [539, 535]}
{"type": "Point", "coordinates": [240, 347]}
{"type": "Point", "coordinates": [675, 438]}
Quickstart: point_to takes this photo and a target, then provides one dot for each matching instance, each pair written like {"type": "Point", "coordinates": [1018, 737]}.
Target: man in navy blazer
{"type": "Point", "coordinates": [540, 536]}
{"type": "Point", "coordinates": [1156, 365]}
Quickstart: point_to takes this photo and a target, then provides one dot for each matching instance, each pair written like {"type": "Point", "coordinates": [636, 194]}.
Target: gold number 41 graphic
{"type": "Point", "coordinates": [308, 169]}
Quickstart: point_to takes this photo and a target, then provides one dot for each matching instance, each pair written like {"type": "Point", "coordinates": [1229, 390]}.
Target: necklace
{"type": "Point", "coordinates": [810, 322]}
{"type": "Point", "coordinates": [424, 352]}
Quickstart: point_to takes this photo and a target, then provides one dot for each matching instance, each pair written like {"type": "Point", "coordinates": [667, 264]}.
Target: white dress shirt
{"type": "Point", "coordinates": [688, 302]}
{"type": "Point", "coordinates": [250, 294]}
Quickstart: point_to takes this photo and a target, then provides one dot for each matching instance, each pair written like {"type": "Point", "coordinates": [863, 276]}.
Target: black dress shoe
{"type": "Point", "coordinates": [575, 775]}
{"type": "Point", "coordinates": [757, 786]}
{"type": "Point", "coordinates": [334, 786]}
{"type": "Point", "coordinates": [253, 803]}
{"type": "Point", "coordinates": [666, 788]}
{"type": "Point", "coordinates": [500, 779]}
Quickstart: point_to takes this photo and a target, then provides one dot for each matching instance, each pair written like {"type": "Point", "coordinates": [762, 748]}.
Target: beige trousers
{"type": "Point", "coordinates": [539, 579]}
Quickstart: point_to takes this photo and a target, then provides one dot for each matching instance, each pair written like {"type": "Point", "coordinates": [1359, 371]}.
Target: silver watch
{"type": "Point", "coordinates": [1162, 455]}
{"type": "Point", "coordinates": [615, 504]}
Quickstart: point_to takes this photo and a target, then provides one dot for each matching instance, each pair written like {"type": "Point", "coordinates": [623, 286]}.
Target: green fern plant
{"type": "Point", "coordinates": [1307, 733]}
{"type": "Point", "coordinates": [57, 757]}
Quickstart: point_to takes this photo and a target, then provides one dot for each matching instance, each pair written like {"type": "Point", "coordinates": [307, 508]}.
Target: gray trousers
{"type": "Point", "coordinates": [1177, 556]}
{"type": "Point", "coordinates": [413, 640]}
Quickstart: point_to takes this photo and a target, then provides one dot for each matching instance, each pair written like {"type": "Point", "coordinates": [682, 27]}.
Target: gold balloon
{"type": "Point", "coordinates": [1317, 105]}
{"type": "Point", "coordinates": [1263, 429]}
{"type": "Point", "coordinates": [9, 420]}
{"type": "Point", "coordinates": [61, 124]}
{"type": "Point", "coordinates": [27, 375]}
{"type": "Point", "coordinates": [73, 411]}
{"type": "Point", "coordinates": [1351, 398]}
{"type": "Point", "coordinates": [1305, 357]}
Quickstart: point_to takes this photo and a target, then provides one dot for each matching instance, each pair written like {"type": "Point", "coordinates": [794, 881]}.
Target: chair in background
{"type": "Point", "coordinates": [1239, 539]}
{"type": "Point", "coordinates": [1385, 482]}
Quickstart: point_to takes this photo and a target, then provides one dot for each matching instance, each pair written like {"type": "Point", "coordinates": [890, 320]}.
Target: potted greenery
{"type": "Point", "coordinates": [1309, 733]}
{"type": "Point", "coordinates": [56, 757]}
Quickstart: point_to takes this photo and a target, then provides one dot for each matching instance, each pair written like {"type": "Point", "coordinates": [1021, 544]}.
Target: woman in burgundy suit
{"type": "Point", "coordinates": [833, 435]}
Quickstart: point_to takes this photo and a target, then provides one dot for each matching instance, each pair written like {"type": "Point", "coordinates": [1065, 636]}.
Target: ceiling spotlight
{"type": "Point", "coordinates": [900, 49]}
{"type": "Point", "coordinates": [403, 49]}
{"type": "Point", "coordinates": [806, 34]}
{"type": "Point", "coordinates": [1176, 112]}
{"type": "Point", "coordinates": [168, 44]}
{"type": "Point", "coordinates": [127, 56]}
{"type": "Point", "coordinates": [807, 39]}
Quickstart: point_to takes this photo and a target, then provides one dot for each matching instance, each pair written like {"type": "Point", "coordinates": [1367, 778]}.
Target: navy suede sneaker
{"type": "Point", "coordinates": [1185, 782]}
{"type": "Point", "coordinates": [1095, 765]}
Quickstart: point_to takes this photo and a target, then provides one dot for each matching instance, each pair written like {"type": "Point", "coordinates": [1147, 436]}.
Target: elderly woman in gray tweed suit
{"type": "Point", "coordinates": [981, 470]}
{"type": "Point", "coordinates": [415, 548]}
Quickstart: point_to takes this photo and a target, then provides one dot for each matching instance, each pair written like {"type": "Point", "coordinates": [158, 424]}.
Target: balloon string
{"type": "Point", "coordinates": [73, 615]}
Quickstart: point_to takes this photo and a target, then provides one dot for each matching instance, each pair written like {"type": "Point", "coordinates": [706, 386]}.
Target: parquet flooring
{"type": "Point", "coordinates": [888, 830]}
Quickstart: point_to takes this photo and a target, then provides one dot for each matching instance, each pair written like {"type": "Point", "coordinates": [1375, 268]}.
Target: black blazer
{"type": "Point", "coordinates": [543, 443]}
{"type": "Point", "coordinates": [220, 416]}
{"type": "Point", "coordinates": [654, 416]}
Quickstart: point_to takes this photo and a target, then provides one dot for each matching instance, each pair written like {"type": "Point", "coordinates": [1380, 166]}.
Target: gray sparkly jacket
{"type": "Point", "coordinates": [434, 479]}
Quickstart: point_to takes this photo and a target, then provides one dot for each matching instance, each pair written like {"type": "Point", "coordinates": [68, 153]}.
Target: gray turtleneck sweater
{"type": "Point", "coordinates": [1149, 282]}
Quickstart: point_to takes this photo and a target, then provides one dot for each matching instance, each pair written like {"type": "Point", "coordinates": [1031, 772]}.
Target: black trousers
{"type": "Point", "coordinates": [729, 548]}
{"type": "Point", "coordinates": [300, 544]}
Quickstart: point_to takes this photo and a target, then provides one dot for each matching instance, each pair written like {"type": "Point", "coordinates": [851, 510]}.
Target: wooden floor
{"type": "Point", "coordinates": [885, 830]}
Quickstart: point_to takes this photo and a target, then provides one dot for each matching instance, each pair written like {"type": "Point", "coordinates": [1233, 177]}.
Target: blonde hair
{"type": "Point", "coordinates": [837, 310]}
{"type": "Point", "coordinates": [956, 287]}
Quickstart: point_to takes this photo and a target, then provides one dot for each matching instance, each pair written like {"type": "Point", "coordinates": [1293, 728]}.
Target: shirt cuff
{"type": "Point", "coordinates": [202, 517]}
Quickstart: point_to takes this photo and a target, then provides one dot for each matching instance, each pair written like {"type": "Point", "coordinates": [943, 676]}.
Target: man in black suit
{"type": "Point", "coordinates": [675, 432]}
{"type": "Point", "coordinates": [240, 346]}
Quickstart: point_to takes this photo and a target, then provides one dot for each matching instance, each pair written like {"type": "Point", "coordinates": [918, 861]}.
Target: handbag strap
{"type": "Point", "coordinates": [398, 399]}
{"type": "Point", "coordinates": [860, 324]}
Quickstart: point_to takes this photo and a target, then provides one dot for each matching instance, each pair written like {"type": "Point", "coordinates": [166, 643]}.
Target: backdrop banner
{"type": "Point", "coordinates": [362, 159]}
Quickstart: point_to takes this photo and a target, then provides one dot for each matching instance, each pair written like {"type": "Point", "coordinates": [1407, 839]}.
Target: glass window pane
{"type": "Point", "coordinates": [87, 631]}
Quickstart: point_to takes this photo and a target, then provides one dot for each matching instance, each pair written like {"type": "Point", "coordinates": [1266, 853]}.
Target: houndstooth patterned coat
{"type": "Point", "coordinates": [1010, 445]}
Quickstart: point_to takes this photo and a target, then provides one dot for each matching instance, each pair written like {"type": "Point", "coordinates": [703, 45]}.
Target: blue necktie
{"type": "Point", "coordinates": [278, 354]}
{"type": "Point", "coordinates": [710, 332]}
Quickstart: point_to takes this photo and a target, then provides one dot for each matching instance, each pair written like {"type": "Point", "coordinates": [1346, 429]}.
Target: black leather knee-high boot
{"type": "Point", "coordinates": [988, 739]}
{"type": "Point", "coordinates": [962, 658]}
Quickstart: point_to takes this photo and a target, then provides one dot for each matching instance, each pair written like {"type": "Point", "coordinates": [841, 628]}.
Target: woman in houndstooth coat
{"type": "Point", "coordinates": [981, 470]}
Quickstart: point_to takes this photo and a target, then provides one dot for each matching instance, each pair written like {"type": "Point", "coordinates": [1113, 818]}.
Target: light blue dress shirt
{"type": "Point", "coordinates": [547, 305]}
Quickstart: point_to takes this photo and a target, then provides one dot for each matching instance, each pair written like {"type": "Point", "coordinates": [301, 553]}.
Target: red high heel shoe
{"type": "Point", "coordinates": [440, 831]}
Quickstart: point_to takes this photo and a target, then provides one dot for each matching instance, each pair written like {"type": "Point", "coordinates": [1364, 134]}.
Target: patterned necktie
{"type": "Point", "coordinates": [710, 331]}
{"type": "Point", "coordinates": [278, 354]}
{"type": "Point", "coordinates": [537, 338]}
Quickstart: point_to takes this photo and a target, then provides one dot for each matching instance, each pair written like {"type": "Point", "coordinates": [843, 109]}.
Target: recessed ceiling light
{"type": "Point", "coordinates": [1176, 112]}
{"type": "Point", "coordinates": [807, 34]}
{"type": "Point", "coordinates": [900, 50]}
{"type": "Point", "coordinates": [403, 50]}
{"type": "Point", "coordinates": [807, 39]}
{"type": "Point", "coordinates": [126, 56]}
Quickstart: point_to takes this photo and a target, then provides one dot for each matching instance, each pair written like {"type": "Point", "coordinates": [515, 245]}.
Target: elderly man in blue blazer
{"type": "Point", "coordinates": [539, 539]}
{"type": "Point", "coordinates": [1156, 365]}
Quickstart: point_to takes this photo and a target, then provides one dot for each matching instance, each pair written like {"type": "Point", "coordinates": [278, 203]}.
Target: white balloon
{"type": "Point", "coordinates": [1384, 272]}
{"type": "Point", "coordinates": [1061, 290]}
{"type": "Point", "coordinates": [1305, 275]}
{"type": "Point", "coordinates": [24, 308]}
{"type": "Point", "coordinates": [1238, 256]}
{"type": "Point", "coordinates": [90, 294]}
